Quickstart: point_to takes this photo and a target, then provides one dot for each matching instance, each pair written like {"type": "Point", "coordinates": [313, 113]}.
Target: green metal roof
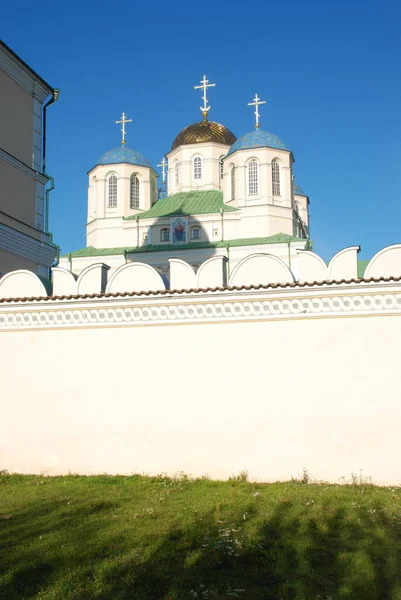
{"type": "Point", "coordinates": [362, 264]}
{"type": "Point", "coordinates": [186, 203]}
{"type": "Point", "coordinates": [278, 238]}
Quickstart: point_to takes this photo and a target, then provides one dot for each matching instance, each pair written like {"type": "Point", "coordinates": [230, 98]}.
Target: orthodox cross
{"type": "Point", "coordinates": [123, 121]}
{"type": "Point", "coordinates": [256, 103]}
{"type": "Point", "coordinates": [163, 165]}
{"type": "Point", "coordinates": [203, 86]}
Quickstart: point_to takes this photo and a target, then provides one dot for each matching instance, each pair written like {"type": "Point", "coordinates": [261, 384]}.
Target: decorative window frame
{"type": "Point", "coordinates": [137, 199]}
{"type": "Point", "coordinates": [256, 186]}
{"type": "Point", "coordinates": [276, 177]}
{"type": "Point", "coordinates": [112, 206]}
{"type": "Point", "coordinates": [196, 169]}
{"type": "Point", "coordinates": [232, 181]}
{"type": "Point", "coordinates": [165, 232]}
{"type": "Point", "coordinates": [194, 228]}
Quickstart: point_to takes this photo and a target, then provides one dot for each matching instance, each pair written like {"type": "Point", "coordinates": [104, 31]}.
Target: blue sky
{"type": "Point", "coordinates": [330, 72]}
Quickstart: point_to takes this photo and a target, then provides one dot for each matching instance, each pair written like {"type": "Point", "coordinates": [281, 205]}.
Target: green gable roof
{"type": "Point", "coordinates": [186, 203]}
{"type": "Point", "coordinates": [278, 238]}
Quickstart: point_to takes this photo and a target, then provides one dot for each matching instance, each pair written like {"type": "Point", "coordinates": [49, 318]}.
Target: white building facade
{"type": "Point", "coordinates": [224, 196]}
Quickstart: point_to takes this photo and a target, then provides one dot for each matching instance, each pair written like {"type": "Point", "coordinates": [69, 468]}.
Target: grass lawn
{"type": "Point", "coordinates": [171, 539]}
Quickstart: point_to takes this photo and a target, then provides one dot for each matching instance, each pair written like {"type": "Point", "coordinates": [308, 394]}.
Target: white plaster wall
{"type": "Point", "coordinates": [194, 257]}
{"type": "Point", "coordinates": [262, 404]}
{"type": "Point", "coordinates": [183, 156]}
{"type": "Point", "coordinates": [264, 157]}
{"type": "Point", "coordinates": [100, 216]}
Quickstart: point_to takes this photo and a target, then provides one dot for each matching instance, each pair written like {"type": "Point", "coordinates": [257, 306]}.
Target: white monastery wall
{"type": "Point", "coordinates": [269, 380]}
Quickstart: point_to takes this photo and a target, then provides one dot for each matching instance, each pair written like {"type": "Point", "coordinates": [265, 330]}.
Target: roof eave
{"type": "Point", "coordinates": [122, 163]}
{"type": "Point", "coordinates": [32, 71]}
{"type": "Point", "coordinates": [198, 144]}
{"type": "Point", "coordinates": [260, 148]}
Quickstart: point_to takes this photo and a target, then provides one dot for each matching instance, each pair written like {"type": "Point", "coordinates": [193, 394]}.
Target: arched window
{"type": "Point", "coordinates": [198, 167]}
{"type": "Point", "coordinates": [177, 174]}
{"type": "Point", "coordinates": [165, 235]}
{"type": "Point", "coordinates": [233, 183]}
{"type": "Point", "coordinates": [276, 178]}
{"type": "Point", "coordinates": [195, 233]}
{"type": "Point", "coordinates": [253, 177]}
{"type": "Point", "coordinates": [134, 192]}
{"type": "Point", "coordinates": [112, 191]}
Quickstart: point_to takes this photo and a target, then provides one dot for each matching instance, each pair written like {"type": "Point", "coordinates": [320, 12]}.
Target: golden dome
{"type": "Point", "coordinates": [205, 131]}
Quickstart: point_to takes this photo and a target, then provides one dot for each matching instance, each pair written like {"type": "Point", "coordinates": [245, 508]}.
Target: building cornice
{"type": "Point", "coordinates": [10, 159]}
{"type": "Point", "coordinates": [23, 74]}
{"type": "Point", "coordinates": [359, 298]}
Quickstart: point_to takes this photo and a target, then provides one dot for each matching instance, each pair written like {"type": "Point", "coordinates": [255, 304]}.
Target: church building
{"type": "Point", "coordinates": [220, 196]}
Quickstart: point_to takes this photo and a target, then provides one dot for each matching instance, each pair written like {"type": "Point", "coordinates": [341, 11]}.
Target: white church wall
{"type": "Point", "coordinates": [183, 157]}
{"type": "Point", "coordinates": [107, 233]}
{"type": "Point", "coordinates": [123, 173]}
{"type": "Point", "coordinates": [104, 222]}
{"type": "Point", "coordinates": [264, 158]}
{"type": "Point", "coordinates": [261, 404]}
{"type": "Point", "coordinates": [265, 220]}
{"type": "Point", "coordinates": [281, 219]}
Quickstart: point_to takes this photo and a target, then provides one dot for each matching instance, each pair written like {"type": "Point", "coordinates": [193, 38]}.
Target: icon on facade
{"type": "Point", "coordinates": [179, 230]}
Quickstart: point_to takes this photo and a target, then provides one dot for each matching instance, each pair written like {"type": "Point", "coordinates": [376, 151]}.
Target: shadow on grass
{"type": "Point", "coordinates": [291, 555]}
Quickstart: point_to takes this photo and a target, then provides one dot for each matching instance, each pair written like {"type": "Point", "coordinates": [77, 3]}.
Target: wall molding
{"type": "Point", "coordinates": [21, 244]}
{"type": "Point", "coordinates": [17, 164]}
{"type": "Point", "coordinates": [217, 307]}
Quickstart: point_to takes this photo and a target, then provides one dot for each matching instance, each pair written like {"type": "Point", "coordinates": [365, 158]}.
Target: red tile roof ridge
{"type": "Point", "coordinates": [260, 286]}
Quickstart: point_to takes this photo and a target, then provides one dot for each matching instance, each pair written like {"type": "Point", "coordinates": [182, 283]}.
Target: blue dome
{"type": "Point", "coordinates": [257, 139]}
{"type": "Point", "coordinates": [298, 190]}
{"type": "Point", "coordinates": [123, 154]}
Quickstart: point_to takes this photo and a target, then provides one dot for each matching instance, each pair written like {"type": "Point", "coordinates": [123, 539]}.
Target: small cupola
{"type": "Point", "coordinates": [260, 168]}
{"type": "Point", "coordinates": [122, 182]}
